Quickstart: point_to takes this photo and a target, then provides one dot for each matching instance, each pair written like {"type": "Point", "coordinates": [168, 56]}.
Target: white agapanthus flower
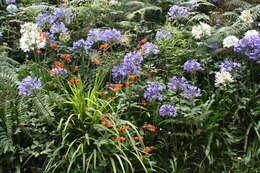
{"type": "Point", "coordinates": [223, 78]}
{"type": "Point", "coordinates": [251, 32]}
{"type": "Point", "coordinates": [113, 2]}
{"type": "Point", "coordinates": [246, 16]}
{"type": "Point", "coordinates": [230, 41]}
{"type": "Point", "coordinates": [31, 37]}
{"type": "Point", "coordinates": [201, 30]}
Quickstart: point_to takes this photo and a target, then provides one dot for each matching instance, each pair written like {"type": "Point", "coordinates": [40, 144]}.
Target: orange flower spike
{"type": "Point", "coordinates": [120, 139]}
{"type": "Point", "coordinates": [123, 128]}
{"type": "Point", "coordinates": [148, 149]}
{"type": "Point", "coordinates": [67, 57]}
{"type": "Point", "coordinates": [128, 83]}
{"type": "Point", "coordinates": [139, 138]}
{"type": "Point", "coordinates": [102, 93]}
{"type": "Point", "coordinates": [150, 127]}
{"type": "Point", "coordinates": [76, 67]}
{"type": "Point", "coordinates": [74, 81]}
{"type": "Point", "coordinates": [38, 51]}
{"type": "Point", "coordinates": [110, 98]}
{"type": "Point", "coordinates": [53, 45]}
{"type": "Point", "coordinates": [51, 72]}
{"type": "Point", "coordinates": [107, 123]}
{"type": "Point", "coordinates": [132, 76]}
{"type": "Point", "coordinates": [95, 60]}
{"type": "Point", "coordinates": [118, 85]}
{"type": "Point", "coordinates": [104, 116]}
{"type": "Point", "coordinates": [104, 46]}
{"type": "Point", "coordinates": [143, 41]}
{"type": "Point", "coordinates": [143, 102]}
{"type": "Point", "coordinates": [58, 64]}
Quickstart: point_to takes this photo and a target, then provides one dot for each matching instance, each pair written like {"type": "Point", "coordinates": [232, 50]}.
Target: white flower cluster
{"type": "Point", "coordinates": [246, 16]}
{"type": "Point", "coordinates": [251, 32]}
{"type": "Point", "coordinates": [230, 41]}
{"type": "Point", "coordinates": [31, 37]}
{"type": "Point", "coordinates": [223, 78]}
{"type": "Point", "coordinates": [201, 30]}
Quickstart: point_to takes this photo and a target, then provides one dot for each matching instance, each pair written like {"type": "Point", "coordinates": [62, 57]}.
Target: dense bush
{"type": "Point", "coordinates": [129, 86]}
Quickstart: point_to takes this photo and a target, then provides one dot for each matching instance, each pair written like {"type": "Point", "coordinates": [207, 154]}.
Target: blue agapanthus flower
{"type": "Point", "coordinates": [58, 28]}
{"type": "Point", "coordinates": [176, 10]}
{"type": "Point", "coordinates": [112, 34]}
{"type": "Point", "coordinates": [163, 34]}
{"type": "Point", "coordinates": [1, 34]}
{"type": "Point", "coordinates": [191, 65]}
{"type": "Point", "coordinates": [191, 91]}
{"type": "Point", "coordinates": [249, 45]}
{"type": "Point", "coordinates": [135, 57]}
{"type": "Point", "coordinates": [177, 83]}
{"type": "Point", "coordinates": [149, 48]}
{"type": "Point", "coordinates": [42, 19]}
{"type": "Point", "coordinates": [12, 9]}
{"type": "Point", "coordinates": [58, 71]}
{"type": "Point", "coordinates": [154, 91]}
{"type": "Point", "coordinates": [167, 110]}
{"type": "Point", "coordinates": [229, 65]}
{"type": "Point", "coordinates": [62, 14]}
{"type": "Point", "coordinates": [123, 70]}
{"type": "Point", "coordinates": [29, 85]}
{"type": "Point", "coordinates": [10, 1]}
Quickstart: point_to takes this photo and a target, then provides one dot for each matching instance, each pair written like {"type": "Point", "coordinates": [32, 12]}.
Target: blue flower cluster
{"type": "Point", "coordinates": [181, 84]}
{"type": "Point", "coordinates": [154, 91]}
{"type": "Point", "coordinates": [176, 10]}
{"type": "Point", "coordinates": [130, 66]}
{"type": "Point", "coordinates": [58, 71]}
{"type": "Point", "coordinates": [11, 8]}
{"type": "Point", "coordinates": [191, 66]}
{"type": "Point", "coordinates": [228, 65]}
{"type": "Point", "coordinates": [163, 34]}
{"type": "Point", "coordinates": [96, 35]}
{"type": "Point", "coordinates": [149, 48]}
{"type": "Point", "coordinates": [10, 1]}
{"type": "Point", "coordinates": [29, 85]}
{"type": "Point", "coordinates": [250, 46]}
{"type": "Point", "coordinates": [167, 110]}
{"type": "Point", "coordinates": [56, 20]}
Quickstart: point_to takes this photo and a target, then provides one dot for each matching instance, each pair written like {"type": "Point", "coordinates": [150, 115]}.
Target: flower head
{"type": "Point", "coordinates": [177, 83]}
{"type": "Point", "coordinates": [62, 14]}
{"type": "Point", "coordinates": [154, 91]}
{"type": "Point", "coordinates": [42, 19]}
{"type": "Point", "coordinates": [57, 71]}
{"type": "Point", "coordinates": [29, 85]}
{"type": "Point", "coordinates": [11, 8]}
{"type": "Point", "coordinates": [228, 65]}
{"type": "Point", "coordinates": [134, 57]}
{"type": "Point", "coordinates": [149, 48]}
{"type": "Point", "coordinates": [163, 34]}
{"type": "Point", "coordinates": [230, 41]}
{"type": "Point", "coordinates": [251, 32]}
{"type": "Point", "coordinates": [201, 30]}
{"type": "Point", "coordinates": [191, 91]}
{"type": "Point", "coordinates": [167, 110]}
{"type": "Point", "coordinates": [246, 16]}
{"type": "Point", "coordinates": [10, 1]}
{"type": "Point", "coordinates": [120, 138]}
{"type": "Point", "coordinates": [58, 28]}
{"type": "Point", "coordinates": [176, 10]}
{"type": "Point", "coordinates": [191, 65]}
{"type": "Point", "coordinates": [223, 78]}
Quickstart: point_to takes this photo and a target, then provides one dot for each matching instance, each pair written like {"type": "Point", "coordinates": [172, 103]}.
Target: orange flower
{"type": "Point", "coordinates": [38, 51]}
{"type": "Point", "coordinates": [117, 87]}
{"type": "Point", "coordinates": [139, 138]}
{"type": "Point", "coordinates": [123, 128]}
{"type": "Point", "coordinates": [143, 102]}
{"type": "Point", "coordinates": [220, 10]}
{"type": "Point", "coordinates": [53, 45]}
{"type": "Point", "coordinates": [43, 36]}
{"type": "Point", "coordinates": [52, 72]}
{"type": "Point", "coordinates": [132, 76]}
{"type": "Point", "coordinates": [107, 123]}
{"type": "Point", "coordinates": [95, 60]}
{"type": "Point", "coordinates": [128, 83]}
{"type": "Point", "coordinates": [76, 67]}
{"type": "Point", "coordinates": [102, 93]}
{"type": "Point", "coordinates": [67, 57]}
{"type": "Point", "coordinates": [58, 64]}
{"type": "Point", "coordinates": [142, 49]}
{"type": "Point", "coordinates": [148, 149]}
{"type": "Point", "coordinates": [143, 41]}
{"type": "Point", "coordinates": [120, 138]}
{"type": "Point", "coordinates": [150, 127]}
{"type": "Point", "coordinates": [74, 81]}
{"type": "Point", "coordinates": [50, 83]}
{"type": "Point", "coordinates": [104, 46]}
{"type": "Point", "coordinates": [104, 116]}
{"type": "Point", "coordinates": [110, 98]}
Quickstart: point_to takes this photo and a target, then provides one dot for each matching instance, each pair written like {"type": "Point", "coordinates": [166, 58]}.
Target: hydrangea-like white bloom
{"type": "Point", "coordinates": [251, 32]}
{"type": "Point", "coordinates": [223, 78]}
{"type": "Point", "coordinates": [201, 30]}
{"type": "Point", "coordinates": [32, 37]}
{"type": "Point", "coordinates": [230, 41]}
{"type": "Point", "coordinates": [246, 16]}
